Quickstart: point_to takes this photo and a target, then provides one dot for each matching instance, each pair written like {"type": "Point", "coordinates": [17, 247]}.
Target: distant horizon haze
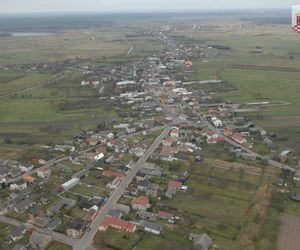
{"type": "Point", "coordinates": [129, 6]}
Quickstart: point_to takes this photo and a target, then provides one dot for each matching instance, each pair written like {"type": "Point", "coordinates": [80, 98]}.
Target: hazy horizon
{"type": "Point", "coordinates": [106, 6]}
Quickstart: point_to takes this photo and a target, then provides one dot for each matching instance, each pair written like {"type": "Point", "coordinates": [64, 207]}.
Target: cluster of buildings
{"type": "Point", "coordinates": [148, 95]}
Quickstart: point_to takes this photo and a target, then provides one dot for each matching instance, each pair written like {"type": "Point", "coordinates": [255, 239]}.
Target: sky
{"type": "Point", "coordinates": [29, 6]}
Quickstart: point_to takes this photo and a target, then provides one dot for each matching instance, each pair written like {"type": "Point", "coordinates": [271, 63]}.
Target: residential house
{"type": "Point", "coordinates": [149, 188]}
{"type": "Point", "coordinates": [201, 241]}
{"type": "Point", "coordinates": [91, 214]}
{"type": "Point", "coordinates": [173, 187]}
{"type": "Point", "coordinates": [23, 204]}
{"type": "Point", "coordinates": [115, 174]}
{"type": "Point", "coordinates": [170, 192]}
{"type": "Point", "coordinates": [124, 208]}
{"type": "Point", "coordinates": [41, 221]}
{"type": "Point", "coordinates": [146, 215]}
{"type": "Point", "coordinates": [112, 143]}
{"type": "Point", "coordinates": [167, 142]}
{"type": "Point", "coordinates": [66, 203]}
{"type": "Point", "coordinates": [269, 143]}
{"type": "Point", "coordinates": [140, 203]}
{"type": "Point", "coordinates": [25, 167]}
{"type": "Point", "coordinates": [64, 148]}
{"type": "Point", "coordinates": [216, 122]}
{"type": "Point", "coordinates": [152, 227]}
{"type": "Point", "coordinates": [117, 224]}
{"type": "Point", "coordinates": [13, 172]}
{"type": "Point", "coordinates": [151, 173]}
{"type": "Point", "coordinates": [169, 151]}
{"type": "Point", "coordinates": [140, 176]}
{"type": "Point", "coordinates": [91, 141]}
{"type": "Point", "coordinates": [21, 185]}
{"type": "Point", "coordinates": [70, 184]}
{"type": "Point", "coordinates": [213, 138]}
{"type": "Point", "coordinates": [237, 137]}
{"type": "Point", "coordinates": [228, 132]}
{"type": "Point", "coordinates": [27, 178]}
{"type": "Point", "coordinates": [174, 133]}
{"type": "Point", "coordinates": [76, 228]}
{"type": "Point", "coordinates": [114, 184]}
{"type": "Point", "coordinates": [47, 160]}
{"type": "Point", "coordinates": [115, 213]}
{"type": "Point", "coordinates": [164, 215]}
{"type": "Point", "coordinates": [284, 155]}
{"type": "Point", "coordinates": [246, 156]}
{"type": "Point", "coordinates": [40, 240]}
{"type": "Point", "coordinates": [54, 223]}
{"type": "Point", "coordinates": [130, 130]}
{"type": "Point", "coordinates": [98, 157]}
{"type": "Point", "coordinates": [44, 172]}
{"type": "Point", "coordinates": [17, 233]}
{"type": "Point", "coordinates": [175, 184]}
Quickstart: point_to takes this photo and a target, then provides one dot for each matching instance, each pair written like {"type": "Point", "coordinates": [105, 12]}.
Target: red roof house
{"type": "Point", "coordinates": [169, 151]}
{"type": "Point", "coordinates": [117, 224]}
{"type": "Point", "coordinates": [91, 141]}
{"type": "Point", "coordinates": [164, 215]}
{"type": "Point", "coordinates": [237, 137]}
{"type": "Point", "coordinates": [140, 203]}
{"type": "Point", "coordinates": [167, 142]}
{"type": "Point", "coordinates": [175, 184]}
{"type": "Point", "coordinates": [115, 174]}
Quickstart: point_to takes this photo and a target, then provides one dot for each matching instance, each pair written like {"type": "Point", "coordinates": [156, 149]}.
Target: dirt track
{"type": "Point", "coordinates": [289, 235]}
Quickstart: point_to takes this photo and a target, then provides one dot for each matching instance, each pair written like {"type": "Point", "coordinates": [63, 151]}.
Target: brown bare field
{"type": "Point", "coordinates": [289, 235]}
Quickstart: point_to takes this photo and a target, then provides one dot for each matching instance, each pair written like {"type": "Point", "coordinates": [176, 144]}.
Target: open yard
{"type": "Point", "coordinates": [289, 236]}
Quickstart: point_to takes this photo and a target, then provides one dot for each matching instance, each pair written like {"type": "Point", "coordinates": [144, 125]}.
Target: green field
{"type": "Point", "coordinates": [55, 245]}
{"type": "Point", "coordinates": [20, 82]}
{"type": "Point", "coordinates": [55, 112]}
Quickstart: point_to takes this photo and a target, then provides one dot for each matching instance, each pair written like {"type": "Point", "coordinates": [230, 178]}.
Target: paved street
{"type": "Point", "coordinates": [87, 239]}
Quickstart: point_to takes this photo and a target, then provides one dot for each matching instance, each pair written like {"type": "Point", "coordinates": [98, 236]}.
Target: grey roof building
{"type": "Point", "coordinates": [40, 241]}
{"type": "Point", "coordinates": [201, 241]}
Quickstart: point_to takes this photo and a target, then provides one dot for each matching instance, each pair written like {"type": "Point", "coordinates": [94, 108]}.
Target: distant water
{"type": "Point", "coordinates": [28, 34]}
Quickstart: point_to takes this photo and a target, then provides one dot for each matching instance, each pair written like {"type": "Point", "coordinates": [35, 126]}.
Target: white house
{"type": "Point", "coordinates": [216, 122]}
{"type": "Point", "coordinates": [174, 133]}
{"type": "Point", "coordinates": [99, 157]}
{"type": "Point", "coordinates": [44, 172]}
{"type": "Point", "coordinates": [71, 183]}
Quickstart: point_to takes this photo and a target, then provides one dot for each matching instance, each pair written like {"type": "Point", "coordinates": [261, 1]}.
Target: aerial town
{"type": "Point", "coordinates": [123, 175]}
{"type": "Point", "coordinates": [141, 131]}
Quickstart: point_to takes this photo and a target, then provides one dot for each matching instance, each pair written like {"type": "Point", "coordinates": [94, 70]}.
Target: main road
{"type": "Point", "coordinates": [87, 239]}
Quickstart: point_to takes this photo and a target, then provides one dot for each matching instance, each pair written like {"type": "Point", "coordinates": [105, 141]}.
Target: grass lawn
{"type": "Point", "coordinates": [55, 245]}
{"type": "Point", "coordinates": [117, 239]}
{"type": "Point", "coordinates": [216, 203]}
{"type": "Point", "coordinates": [23, 81]}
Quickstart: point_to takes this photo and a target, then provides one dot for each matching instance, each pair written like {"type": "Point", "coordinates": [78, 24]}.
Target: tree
{"type": "Point", "coordinates": [7, 140]}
